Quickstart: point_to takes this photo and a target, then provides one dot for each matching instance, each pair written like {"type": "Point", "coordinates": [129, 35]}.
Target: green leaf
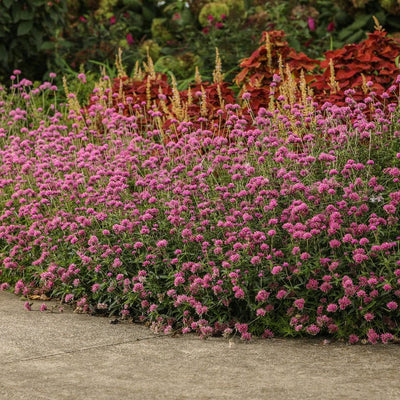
{"type": "Point", "coordinates": [7, 3]}
{"type": "Point", "coordinates": [356, 36]}
{"type": "Point", "coordinates": [360, 21]}
{"type": "Point", "coordinates": [393, 21]}
{"type": "Point", "coordinates": [148, 14]}
{"type": "Point", "coordinates": [47, 46]}
{"type": "Point", "coordinates": [344, 33]}
{"type": "Point", "coordinates": [24, 28]}
{"type": "Point", "coordinates": [3, 54]}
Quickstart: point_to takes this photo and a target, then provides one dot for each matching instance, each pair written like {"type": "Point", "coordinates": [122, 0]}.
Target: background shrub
{"type": "Point", "coordinates": [28, 35]}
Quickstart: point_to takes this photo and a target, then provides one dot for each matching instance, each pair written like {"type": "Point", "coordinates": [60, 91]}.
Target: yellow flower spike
{"type": "Point", "coordinates": [269, 51]}
{"type": "Point", "coordinates": [148, 92]}
{"type": "Point", "coordinates": [203, 108]}
{"type": "Point", "coordinates": [149, 67]}
{"type": "Point", "coordinates": [176, 101]}
{"type": "Point", "coordinates": [303, 88]}
{"type": "Point", "coordinates": [221, 100]}
{"type": "Point", "coordinates": [118, 64]}
{"type": "Point", "coordinates": [190, 97]}
{"type": "Point", "coordinates": [137, 73]}
{"type": "Point", "coordinates": [332, 81]}
{"type": "Point", "coordinates": [280, 66]}
{"type": "Point", "coordinates": [217, 73]}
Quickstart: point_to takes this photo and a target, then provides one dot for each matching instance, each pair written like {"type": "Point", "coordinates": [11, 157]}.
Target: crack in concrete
{"type": "Point", "coordinates": [42, 357]}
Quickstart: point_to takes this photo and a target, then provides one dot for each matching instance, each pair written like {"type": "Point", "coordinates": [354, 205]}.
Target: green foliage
{"type": "Point", "coordinates": [354, 19]}
{"type": "Point", "coordinates": [27, 35]}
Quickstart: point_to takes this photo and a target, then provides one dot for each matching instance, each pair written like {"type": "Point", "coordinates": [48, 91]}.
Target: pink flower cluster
{"type": "Point", "coordinates": [284, 222]}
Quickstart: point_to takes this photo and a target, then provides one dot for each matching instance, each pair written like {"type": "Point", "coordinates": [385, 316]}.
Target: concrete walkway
{"type": "Point", "coordinates": [52, 356]}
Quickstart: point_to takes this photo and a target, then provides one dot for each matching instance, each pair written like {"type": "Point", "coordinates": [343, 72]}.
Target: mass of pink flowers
{"type": "Point", "coordinates": [286, 224]}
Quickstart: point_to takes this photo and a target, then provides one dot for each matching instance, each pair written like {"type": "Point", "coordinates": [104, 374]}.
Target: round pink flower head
{"type": "Point", "coordinates": [331, 307]}
{"type": "Point", "coordinates": [299, 304]}
{"type": "Point", "coordinates": [162, 243]}
{"type": "Point", "coordinates": [392, 305]}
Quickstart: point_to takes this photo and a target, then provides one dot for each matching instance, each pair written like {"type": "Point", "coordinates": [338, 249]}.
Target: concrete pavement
{"type": "Point", "coordinates": [55, 356]}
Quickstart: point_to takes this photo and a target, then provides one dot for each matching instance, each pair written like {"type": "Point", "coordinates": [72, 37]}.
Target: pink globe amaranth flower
{"type": "Point", "coordinates": [387, 287]}
{"type": "Point", "coordinates": [312, 284]}
{"type": "Point", "coordinates": [82, 77]}
{"type": "Point", "coordinates": [344, 302]}
{"type": "Point", "coordinates": [295, 250]}
{"type": "Point", "coordinates": [246, 96]}
{"type": "Point", "coordinates": [313, 329]}
{"type": "Point", "coordinates": [162, 243]}
{"type": "Point", "coordinates": [241, 328]}
{"type": "Point", "coordinates": [392, 305]}
{"type": "Point", "coordinates": [27, 306]}
{"type": "Point", "coordinates": [68, 298]}
{"type": "Point", "coordinates": [95, 287]}
{"type": "Point", "coordinates": [113, 20]}
{"type": "Point", "coordinates": [299, 304]}
{"type": "Point", "coordinates": [239, 293]}
{"type": "Point", "coordinates": [298, 328]}
{"type": "Point", "coordinates": [268, 334]}
{"type": "Point", "coordinates": [116, 263]}
{"type": "Point", "coordinates": [281, 294]}
{"type": "Point", "coordinates": [304, 256]}
{"type": "Point", "coordinates": [262, 295]}
{"type": "Point", "coordinates": [332, 328]}
{"type": "Point", "coordinates": [246, 336]}
{"type": "Point", "coordinates": [353, 339]}
{"type": "Point", "coordinates": [372, 336]}
{"type": "Point", "coordinates": [369, 316]}
{"type": "Point", "coordinates": [255, 260]}
{"type": "Point", "coordinates": [275, 270]}
{"type": "Point", "coordinates": [43, 307]}
{"type": "Point", "coordinates": [137, 287]}
{"type": "Point", "coordinates": [331, 307]}
{"type": "Point", "coordinates": [386, 337]}
{"type": "Point", "coordinates": [179, 280]}
{"type": "Point", "coordinates": [334, 243]}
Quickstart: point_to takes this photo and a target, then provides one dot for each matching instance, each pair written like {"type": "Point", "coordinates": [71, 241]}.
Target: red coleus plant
{"type": "Point", "coordinates": [270, 59]}
{"type": "Point", "coordinates": [141, 90]}
{"type": "Point", "coordinates": [372, 60]}
{"type": "Point", "coordinates": [259, 68]}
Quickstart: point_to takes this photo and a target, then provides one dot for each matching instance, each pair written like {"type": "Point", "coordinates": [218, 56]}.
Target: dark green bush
{"type": "Point", "coordinates": [28, 32]}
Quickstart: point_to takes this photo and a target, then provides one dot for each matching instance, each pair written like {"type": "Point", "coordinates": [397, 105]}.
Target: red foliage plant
{"type": "Point", "coordinates": [372, 60]}
{"type": "Point", "coordinates": [348, 68]}
{"type": "Point", "coordinates": [268, 60]}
